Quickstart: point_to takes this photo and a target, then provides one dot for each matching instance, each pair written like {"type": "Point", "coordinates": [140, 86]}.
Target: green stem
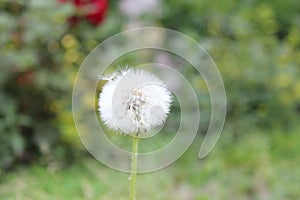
{"type": "Point", "coordinates": [133, 168]}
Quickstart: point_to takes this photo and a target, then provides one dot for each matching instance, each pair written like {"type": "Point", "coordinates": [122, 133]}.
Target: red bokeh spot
{"type": "Point", "coordinates": [92, 10]}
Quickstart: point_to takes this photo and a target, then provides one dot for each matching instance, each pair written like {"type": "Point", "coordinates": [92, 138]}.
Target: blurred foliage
{"type": "Point", "coordinates": [40, 53]}
{"type": "Point", "coordinates": [255, 167]}
{"type": "Point", "coordinates": [256, 45]}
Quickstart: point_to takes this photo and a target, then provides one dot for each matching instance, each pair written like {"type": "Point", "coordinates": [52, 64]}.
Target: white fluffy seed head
{"type": "Point", "coordinates": [134, 101]}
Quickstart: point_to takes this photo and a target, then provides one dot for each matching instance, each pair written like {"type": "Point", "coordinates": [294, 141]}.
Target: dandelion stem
{"type": "Point", "coordinates": [133, 168]}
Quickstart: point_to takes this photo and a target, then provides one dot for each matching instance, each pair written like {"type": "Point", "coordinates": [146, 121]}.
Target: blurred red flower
{"type": "Point", "coordinates": [92, 10]}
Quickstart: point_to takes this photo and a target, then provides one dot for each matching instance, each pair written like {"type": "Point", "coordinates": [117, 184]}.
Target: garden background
{"type": "Point", "coordinates": [256, 46]}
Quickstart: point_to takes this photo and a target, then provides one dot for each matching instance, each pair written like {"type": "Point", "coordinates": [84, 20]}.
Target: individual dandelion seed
{"type": "Point", "coordinates": [134, 101]}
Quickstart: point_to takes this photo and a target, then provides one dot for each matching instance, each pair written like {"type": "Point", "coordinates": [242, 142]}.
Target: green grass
{"type": "Point", "coordinates": [256, 165]}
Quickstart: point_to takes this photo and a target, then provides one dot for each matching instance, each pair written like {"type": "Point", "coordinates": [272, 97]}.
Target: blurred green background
{"type": "Point", "coordinates": [255, 44]}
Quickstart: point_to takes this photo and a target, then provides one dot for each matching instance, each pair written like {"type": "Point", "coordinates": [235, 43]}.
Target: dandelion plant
{"type": "Point", "coordinates": [133, 102]}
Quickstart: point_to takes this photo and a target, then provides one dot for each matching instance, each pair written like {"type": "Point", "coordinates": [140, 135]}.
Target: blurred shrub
{"type": "Point", "coordinates": [31, 79]}
{"type": "Point", "coordinates": [256, 46]}
{"type": "Point", "coordinates": [40, 53]}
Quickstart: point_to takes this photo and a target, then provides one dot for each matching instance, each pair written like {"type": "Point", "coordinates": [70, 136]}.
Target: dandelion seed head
{"type": "Point", "coordinates": [134, 101]}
